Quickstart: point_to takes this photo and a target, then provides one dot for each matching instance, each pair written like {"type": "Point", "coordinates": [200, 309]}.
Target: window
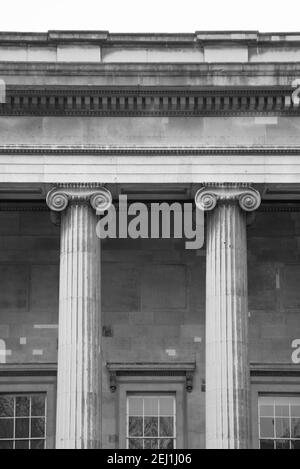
{"type": "Point", "coordinates": [151, 422]}
{"type": "Point", "coordinates": [23, 421]}
{"type": "Point", "coordinates": [152, 402]}
{"type": "Point", "coordinates": [279, 422]}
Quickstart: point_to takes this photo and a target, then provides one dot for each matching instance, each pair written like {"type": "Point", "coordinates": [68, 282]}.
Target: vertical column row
{"type": "Point", "coordinates": [79, 358]}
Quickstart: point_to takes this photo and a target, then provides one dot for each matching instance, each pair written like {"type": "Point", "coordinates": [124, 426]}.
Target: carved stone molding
{"type": "Point", "coordinates": [21, 206]}
{"type": "Point", "coordinates": [280, 207]}
{"type": "Point", "coordinates": [209, 196]}
{"type": "Point", "coordinates": [30, 369]}
{"type": "Point", "coordinates": [61, 196]}
{"type": "Point", "coordinates": [148, 101]}
{"type": "Point", "coordinates": [115, 150]}
{"type": "Point", "coordinates": [274, 370]}
{"type": "Point", "coordinates": [118, 371]}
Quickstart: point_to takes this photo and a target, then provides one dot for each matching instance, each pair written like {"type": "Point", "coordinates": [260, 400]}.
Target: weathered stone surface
{"type": "Point", "coordinates": [86, 46]}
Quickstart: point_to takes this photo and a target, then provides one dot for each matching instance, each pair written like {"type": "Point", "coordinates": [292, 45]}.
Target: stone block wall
{"type": "Point", "coordinates": [274, 293]}
{"type": "Point", "coordinates": [29, 274]}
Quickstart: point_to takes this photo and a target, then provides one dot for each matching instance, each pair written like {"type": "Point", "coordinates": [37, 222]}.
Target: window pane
{"type": "Point", "coordinates": [283, 400]}
{"type": "Point", "coordinates": [150, 444]}
{"type": "Point", "coordinates": [296, 444]}
{"type": "Point", "coordinates": [151, 426]}
{"type": "Point", "coordinates": [37, 428]}
{"type": "Point", "coordinates": [266, 444]}
{"type": "Point", "coordinates": [6, 444]}
{"type": "Point", "coordinates": [38, 406]}
{"type": "Point", "coordinates": [166, 426]}
{"type": "Point", "coordinates": [295, 410]}
{"type": "Point", "coordinates": [135, 443]}
{"type": "Point", "coordinates": [282, 410]}
{"type": "Point", "coordinates": [296, 428]}
{"type": "Point", "coordinates": [22, 428]}
{"type": "Point", "coordinates": [135, 406]}
{"type": "Point", "coordinates": [135, 426]}
{"type": "Point", "coordinates": [267, 400]}
{"type": "Point", "coordinates": [166, 443]}
{"type": "Point", "coordinates": [282, 444]}
{"type": "Point", "coordinates": [266, 411]}
{"type": "Point", "coordinates": [22, 406]}
{"type": "Point", "coordinates": [6, 406]}
{"type": "Point", "coordinates": [283, 428]}
{"type": "Point", "coordinates": [166, 406]}
{"type": "Point", "coordinates": [22, 444]}
{"type": "Point", "coordinates": [294, 401]}
{"type": "Point", "coordinates": [151, 406]}
{"type": "Point", "coordinates": [6, 428]}
{"type": "Point", "coordinates": [267, 428]}
{"type": "Point", "coordinates": [37, 444]}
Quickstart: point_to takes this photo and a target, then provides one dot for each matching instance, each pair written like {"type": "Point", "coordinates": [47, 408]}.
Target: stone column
{"type": "Point", "coordinates": [227, 365]}
{"type": "Point", "coordinates": [79, 352]}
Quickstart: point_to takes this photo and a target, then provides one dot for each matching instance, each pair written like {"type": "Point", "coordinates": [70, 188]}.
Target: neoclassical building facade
{"type": "Point", "coordinates": [139, 342]}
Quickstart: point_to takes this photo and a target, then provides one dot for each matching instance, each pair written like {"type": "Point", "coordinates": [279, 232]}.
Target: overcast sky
{"type": "Point", "coordinates": [150, 15]}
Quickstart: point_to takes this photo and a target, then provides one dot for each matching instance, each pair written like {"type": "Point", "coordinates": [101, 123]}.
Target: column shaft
{"type": "Point", "coordinates": [227, 367]}
{"type": "Point", "coordinates": [79, 355]}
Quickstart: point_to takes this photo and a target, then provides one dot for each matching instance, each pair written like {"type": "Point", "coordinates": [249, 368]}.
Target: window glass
{"type": "Point", "coordinates": [151, 422]}
{"type": "Point", "coordinates": [23, 421]}
{"type": "Point", "coordinates": [279, 422]}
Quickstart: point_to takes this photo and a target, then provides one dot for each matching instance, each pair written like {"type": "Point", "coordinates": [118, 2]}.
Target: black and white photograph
{"type": "Point", "coordinates": [149, 228]}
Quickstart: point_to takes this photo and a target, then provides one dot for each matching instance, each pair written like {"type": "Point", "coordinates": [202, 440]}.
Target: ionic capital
{"type": "Point", "coordinates": [209, 196]}
{"type": "Point", "coordinates": [61, 196]}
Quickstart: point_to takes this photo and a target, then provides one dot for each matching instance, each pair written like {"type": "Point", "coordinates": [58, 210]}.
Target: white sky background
{"type": "Point", "coordinates": [150, 15]}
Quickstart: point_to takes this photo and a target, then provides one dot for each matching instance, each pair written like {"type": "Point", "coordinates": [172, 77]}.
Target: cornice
{"type": "Point", "coordinates": [148, 90]}
{"type": "Point", "coordinates": [119, 150]}
{"type": "Point", "coordinates": [274, 370]}
{"type": "Point", "coordinates": [24, 369]}
{"type": "Point", "coordinates": [148, 101]}
{"type": "Point", "coordinates": [106, 37]}
{"type": "Point", "coordinates": [140, 370]}
{"type": "Point", "coordinates": [166, 69]}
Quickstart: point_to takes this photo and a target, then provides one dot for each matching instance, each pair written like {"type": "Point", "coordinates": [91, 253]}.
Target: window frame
{"type": "Point", "coordinates": [157, 388]}
{"type": "Point", "coordinates": [157, 396]}
{"type": "Point", "coordinates": [269, 386]}
{"type": "Point", "coordinates": [272, 397]}
{"type": "Point", "coordinates": [32, 385]}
